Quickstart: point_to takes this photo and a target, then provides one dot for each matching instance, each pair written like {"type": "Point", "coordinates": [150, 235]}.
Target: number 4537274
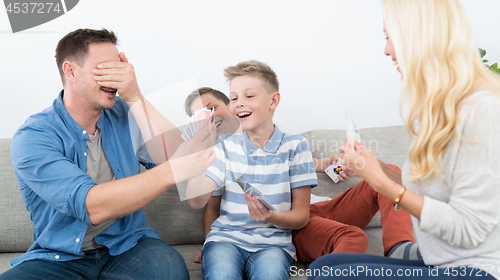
{"type": "Point", "coordinates": [33, 8]}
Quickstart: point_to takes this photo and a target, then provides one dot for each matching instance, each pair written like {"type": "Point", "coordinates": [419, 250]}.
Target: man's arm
{"type": "Point", "coordinates": [162, 138]}
{"type": "Point", "coordinates": [39, 161]}
{"type": "Point", "coordinates": [199, 191]}
{"type": "Point", "coordinates": [122, 197]}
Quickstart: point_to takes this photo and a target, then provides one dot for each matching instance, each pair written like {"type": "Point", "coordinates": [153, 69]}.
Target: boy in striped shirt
{"type": "Point", "coordinates": [248, 240]}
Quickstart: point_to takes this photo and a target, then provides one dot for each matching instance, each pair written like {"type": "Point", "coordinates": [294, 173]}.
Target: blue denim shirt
{"type": "Point", "coordinates": [49, 158]}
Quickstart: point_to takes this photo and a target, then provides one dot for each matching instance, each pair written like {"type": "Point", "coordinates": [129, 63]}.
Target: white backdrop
{"type": "Point", "coordinates": [328, 54]}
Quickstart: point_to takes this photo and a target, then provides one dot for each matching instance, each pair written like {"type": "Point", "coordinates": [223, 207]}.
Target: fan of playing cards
{"type": "Point", "coordinates": [247, 188]}
{"type": "Point", "coordinates": [198, 120]}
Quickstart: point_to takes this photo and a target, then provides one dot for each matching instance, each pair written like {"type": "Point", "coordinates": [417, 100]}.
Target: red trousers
{"type": "Point", "coordinates": [336, 226]}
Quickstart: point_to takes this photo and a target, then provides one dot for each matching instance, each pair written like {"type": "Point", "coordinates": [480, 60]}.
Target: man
{"type": "Point", "coordinates": [79, 175]}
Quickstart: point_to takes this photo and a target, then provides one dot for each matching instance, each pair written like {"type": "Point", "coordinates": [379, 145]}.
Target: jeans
{"type": "Point", "coordinates": [150, 259]}
{"type": "Point", "coordinates": [360, 266]}
{"type": "Point", "coordinates": [220, 260]}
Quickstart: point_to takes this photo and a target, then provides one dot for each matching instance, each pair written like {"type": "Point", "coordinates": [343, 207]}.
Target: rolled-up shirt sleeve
{"type": "Point", "coordinates": [41, 164]}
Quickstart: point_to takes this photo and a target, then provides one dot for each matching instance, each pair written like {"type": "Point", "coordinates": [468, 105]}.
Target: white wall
{"type": "Point", "coordinates": [328, 54]}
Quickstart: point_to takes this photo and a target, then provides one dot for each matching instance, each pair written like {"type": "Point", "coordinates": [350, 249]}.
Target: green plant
{"type": "Point", "coordinates": [493, 67]}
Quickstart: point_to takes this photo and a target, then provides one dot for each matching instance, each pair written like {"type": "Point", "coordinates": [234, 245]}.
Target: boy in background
{"type": "Point", "coordinates": [248, 238]}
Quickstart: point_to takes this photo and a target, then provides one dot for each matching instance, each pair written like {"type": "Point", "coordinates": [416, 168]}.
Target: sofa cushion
{"type": "Point", "coordinates": [16, 229]}
{"type": "Point", "coordinates": [176, 222]}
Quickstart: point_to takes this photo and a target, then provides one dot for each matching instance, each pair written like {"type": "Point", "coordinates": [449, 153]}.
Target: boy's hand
{"type": "Point", "coordinates": [321, 164]}
{"type": "Point", "coordinates": [258, 212]}
{"type": "Point", "coordinates": [342, 176]}
{"type": "Point", "coordinates": [197, 257]}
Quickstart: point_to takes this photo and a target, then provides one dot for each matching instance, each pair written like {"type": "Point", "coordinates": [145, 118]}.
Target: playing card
{"type": "Point", "coordinates": [334, 170]}
{"type": "Point", "coordinates": [192, 129]}
{"type": "Point", "coordinates": [185, 134]}
{"type": "Point", "coordinates": [351, 130]}
{"type": "Point", "coordinates": [200, 118]}
{"type": "Point", "coordinates": [247, 188]}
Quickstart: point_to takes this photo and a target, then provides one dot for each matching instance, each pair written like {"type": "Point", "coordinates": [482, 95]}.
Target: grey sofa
{"type": "Point", "coordinates": [177, 223]}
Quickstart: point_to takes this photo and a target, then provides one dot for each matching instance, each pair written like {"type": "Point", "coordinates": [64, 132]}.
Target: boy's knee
{"type": "Point", "coordinates": [395, 167]}
{"type": "Point", "coordinates": [349, 239]}
{"type": "Point", "coordinates": [357, 233]}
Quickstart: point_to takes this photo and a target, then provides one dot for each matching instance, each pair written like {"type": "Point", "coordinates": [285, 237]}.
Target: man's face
{"type": "Point", "coordinates": [223, 119]}
{"type": "Point", "coordinates": [95, 96]}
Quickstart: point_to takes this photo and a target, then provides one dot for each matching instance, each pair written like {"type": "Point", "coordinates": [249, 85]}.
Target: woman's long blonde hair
{"type": "Point", "coordinates": [441, 66]}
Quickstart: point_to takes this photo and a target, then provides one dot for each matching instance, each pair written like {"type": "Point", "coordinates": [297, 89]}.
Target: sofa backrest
{"type": "Point", "coordinates": [179, 224]}
{"type": "Point", "coordinates": [389, 144]}
{"type": "Point", "coordinates": [176, 222]}
{"type": "Point", "coordinates": [16, 228]}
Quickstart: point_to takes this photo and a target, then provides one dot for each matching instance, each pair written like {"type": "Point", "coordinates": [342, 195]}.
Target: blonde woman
{"type": "Point", "coordinates": [451, 180]}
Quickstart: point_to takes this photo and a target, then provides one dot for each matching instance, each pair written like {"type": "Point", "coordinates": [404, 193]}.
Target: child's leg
{"type": "Point", "coordinates": [357, 206]}
{"type": "Point", "coordinates": [324, 236]}
{"type": "Point", "coordinates": [220, 260]}
{"type": "Point", "coordinates": [269, 263]}
{"type": "Point", "coordinates": [396, 225]}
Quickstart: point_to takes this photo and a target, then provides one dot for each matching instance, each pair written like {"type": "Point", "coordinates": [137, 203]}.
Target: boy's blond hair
{"type": "Point", "coordinates": [254, 68]}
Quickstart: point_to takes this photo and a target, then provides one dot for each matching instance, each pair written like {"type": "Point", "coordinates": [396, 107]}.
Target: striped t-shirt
{"type": "Point", "coordinates": [283, 164]}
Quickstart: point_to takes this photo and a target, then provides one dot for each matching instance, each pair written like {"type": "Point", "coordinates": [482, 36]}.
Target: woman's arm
{"type": "Point", "coordinates": [378, 175]}
{"type": "Point", "coordinates": [394, 175]}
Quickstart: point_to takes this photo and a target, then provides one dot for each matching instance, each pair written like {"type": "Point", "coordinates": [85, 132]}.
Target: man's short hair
{"type": "Point", "coordinates": [201, 91]}
{"type": "Point", "coordinates": [75, 46]}
{"type": "Point", "coordinates": [256, 69]}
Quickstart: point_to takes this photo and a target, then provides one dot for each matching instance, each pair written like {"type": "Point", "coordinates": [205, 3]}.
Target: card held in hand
{"type": "Point", "coordinates": [198, 120]}
{"type": "Point", "coordinates": [351, 130]}
{"type": "Point", "coordinates": [248, 188]}
{"type": "Point", "coordinates": [333, 171]}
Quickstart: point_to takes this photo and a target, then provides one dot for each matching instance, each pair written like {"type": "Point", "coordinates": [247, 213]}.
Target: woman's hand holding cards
{"type": "Point", "coordinates": [362, 162]}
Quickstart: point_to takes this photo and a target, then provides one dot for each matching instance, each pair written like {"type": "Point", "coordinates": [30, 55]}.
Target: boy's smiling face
{"type": "Point", "coordinates": [252, 105]}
